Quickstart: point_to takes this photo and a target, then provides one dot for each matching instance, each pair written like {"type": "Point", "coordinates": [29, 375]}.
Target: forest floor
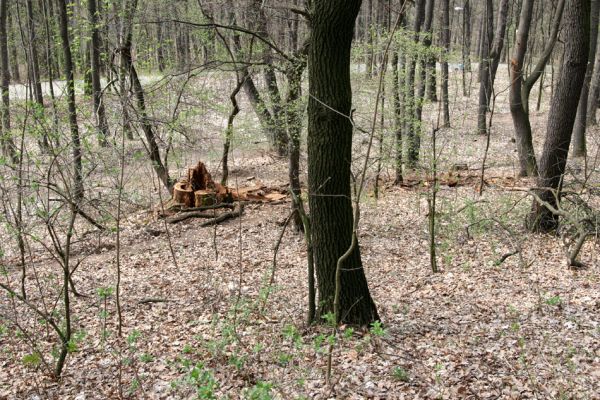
{"type": "Point", "coordinates": [197, 321]}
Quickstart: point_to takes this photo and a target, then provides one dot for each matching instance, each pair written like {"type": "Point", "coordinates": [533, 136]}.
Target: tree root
{"type": "Point", "coordinates": [212, 218]}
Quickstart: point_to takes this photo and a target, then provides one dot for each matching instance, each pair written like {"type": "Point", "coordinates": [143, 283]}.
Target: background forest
{"type": "Point", "coordinates": [299, 199]}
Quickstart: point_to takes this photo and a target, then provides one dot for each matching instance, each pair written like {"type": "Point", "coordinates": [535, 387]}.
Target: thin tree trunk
{"type": "Point", "coordinates": [34, 68]}
{"type": "Point", "coordinates": [78, 191]}
{"type": "Point", "coordinates": [490, 61]}
{"type": "Point", "coordinates": [527, 162]}
{"type": "Point", "coordinates": [445, 74]}
{"type": "Point", "coordinates": [398, 112]}
{"type": "Point", "coordinates": [466, 49]}
{"type": "Point", "coordinates": [99, 111]}
{"type": "Point", "coordinates": [413, 141]}
{"type": "Point", "coordinates": [138, 91]}
{"type": "Point", "coordinates": [592, 105]}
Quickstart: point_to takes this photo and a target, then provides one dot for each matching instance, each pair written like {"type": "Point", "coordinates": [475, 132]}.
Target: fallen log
{"type": "Point", "coordinates": [213, 218]}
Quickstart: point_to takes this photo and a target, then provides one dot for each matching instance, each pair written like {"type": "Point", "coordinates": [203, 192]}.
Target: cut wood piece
{"type": "Point", "coordinates": [275, 196]}
{"type": "Point", "coordinates": [204, 198]}
{"type": "Point", "coordinates": [183, 194]}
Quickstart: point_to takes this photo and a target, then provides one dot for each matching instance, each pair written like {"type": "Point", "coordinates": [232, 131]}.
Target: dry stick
{"type": "Point", "coordinates": [274, 265]}
{"type": "Point", "coordinates": [432, 204]}
{"type": "Point", "coordinates": [516, 244]}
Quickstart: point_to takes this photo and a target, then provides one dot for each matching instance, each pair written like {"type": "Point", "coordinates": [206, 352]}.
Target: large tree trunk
{"type": "Point", "coordinates": [8, 146]}
{"type": "Point", "coordinates": [562, 113]}
{"type": "Point", "coordinates": [329, 161]}
{"type": "Point", "coordinates": [69, 75]}
{"type": "Point", "coordinates": [579, 146]}
{"type": "Point", "coordinates": [99, 112]}
{"type": "Point", "coordinates": [490, 60]}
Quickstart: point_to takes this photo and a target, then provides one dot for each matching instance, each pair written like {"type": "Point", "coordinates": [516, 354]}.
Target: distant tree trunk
{"type": "Point", "coordinates": [99, 111]}
{"type": "Point", "coordinates": [579, 146]}
{"type": "Point", "coordinates": [329, 159]}
{"type": "Point", "coordinates": [281, 139]}
{"type": "Point", "coordinates": [34, 68]}
{"type": "Point", "coordinates": [429, 68]}
{"type": "Point", "coordinates": [398, 112]}
{"type": "Point", "coordinates": [138, 91]}
{"type": "Point", "coordinates": [14, 61]}
{"type": "Point", "coordinates": [490, 61]}
{"type": "Point", "coordinates": [33, 57]}
{"type": "Point", "coordinates": [160, 57]}
{"type": "Point", "coordinates": [8, 146]}
{"type": "Point", "coordinates": [445, 74]}
{"type": "Point", "coordinates": [561, 117]}
{"type": "Point", "coordinates": [123, 73]}
{"type": "Point", "coordinates": [418, 117]}
{"type": "Point", "coordinates": [370, 46]}
{"type": "Point", "coordinates": [413, 141]}
{"type": "Point", "coordinates": [69, 75]}
{"type": "Point", "coordinates": [466, 47]}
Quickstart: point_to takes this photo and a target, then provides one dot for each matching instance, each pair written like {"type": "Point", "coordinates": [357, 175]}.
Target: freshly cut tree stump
{"type": "Point", "coordinates": [183, 194]}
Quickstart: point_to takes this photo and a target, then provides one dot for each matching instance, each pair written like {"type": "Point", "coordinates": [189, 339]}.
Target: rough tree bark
{"type": "Point", "coordinates": [99, 111]}
{"type": "Point", "coordinates": [329, 159]}
{"type": "Point", "coordinates": [579, 145]}
{"type": "Point", "coordinates": [563, 109]}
